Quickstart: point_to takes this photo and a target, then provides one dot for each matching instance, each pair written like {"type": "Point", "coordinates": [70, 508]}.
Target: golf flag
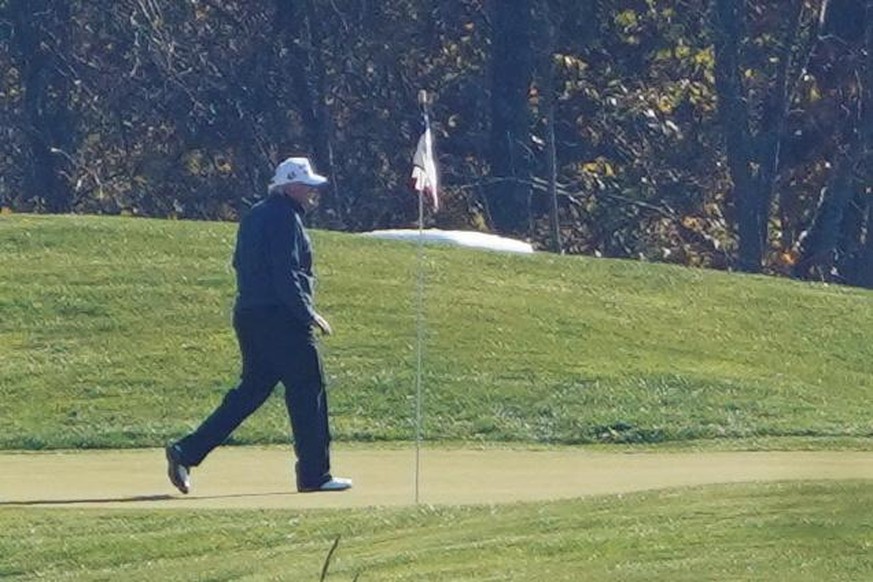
{"type": "Point", "coordinates": [424, 171]}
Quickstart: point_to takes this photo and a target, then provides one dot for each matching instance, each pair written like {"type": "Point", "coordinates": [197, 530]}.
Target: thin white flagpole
{"type": "Point", "coordinates": [419, 318]}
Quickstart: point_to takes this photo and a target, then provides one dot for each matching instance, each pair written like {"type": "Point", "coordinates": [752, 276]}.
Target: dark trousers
{"type": "Point", "coordinates": [275, 348]}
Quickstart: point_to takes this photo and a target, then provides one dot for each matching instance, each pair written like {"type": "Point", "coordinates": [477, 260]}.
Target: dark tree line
{"type": "Point", "coordinates": [720, 133]}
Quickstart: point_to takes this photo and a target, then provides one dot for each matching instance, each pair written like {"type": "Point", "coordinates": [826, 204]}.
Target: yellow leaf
{"type": "Point", "coordinates": [664, 105]}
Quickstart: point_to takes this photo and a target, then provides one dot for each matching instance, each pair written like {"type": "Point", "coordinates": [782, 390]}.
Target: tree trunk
{"type": "Point", "coordinates": [40, 27]}
{"type": "Point", "coordinates": [729, 29]}
{"type": "Point", "coordinates": [512, 66]}
{"type": "Point", "coordinates": [548, 100]}
{"type": "Point", "coordinates": [864, 272]}
{"type": "Point", "coordinates": [827, 237]}
{"type": "Point", "coordinates": [551, 163]}
{"type": "Point", "coordinates": [818, 255]}
{"type": "Point", "coordinates": [775, 114]}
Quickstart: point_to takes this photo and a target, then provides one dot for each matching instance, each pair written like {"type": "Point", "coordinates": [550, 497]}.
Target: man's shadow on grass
{"type": "Point", "coordinates": [133, 499]}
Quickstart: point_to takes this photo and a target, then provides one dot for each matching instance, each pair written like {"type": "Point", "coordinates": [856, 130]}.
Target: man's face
{"type": "Point", "coordinates": [305, 196]}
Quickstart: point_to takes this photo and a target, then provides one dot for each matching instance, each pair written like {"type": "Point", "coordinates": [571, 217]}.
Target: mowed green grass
{"type": "Point", "coordinates": [782, 531]}
{"type": "Point", "coordinates": [115, 332]}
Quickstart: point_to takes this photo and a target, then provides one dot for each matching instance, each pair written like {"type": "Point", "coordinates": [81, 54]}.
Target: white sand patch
{"type": "Point", "coordinates": [479, 240]}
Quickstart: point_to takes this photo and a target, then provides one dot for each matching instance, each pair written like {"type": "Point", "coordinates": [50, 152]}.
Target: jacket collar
{"type": "Point", "coordinates": [287, 200]}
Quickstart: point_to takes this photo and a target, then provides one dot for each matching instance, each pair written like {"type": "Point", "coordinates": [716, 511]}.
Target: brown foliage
{"type": "Point", "coordinates": [160, 108]}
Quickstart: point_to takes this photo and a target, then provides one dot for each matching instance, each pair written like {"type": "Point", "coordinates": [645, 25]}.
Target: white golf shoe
{"type": "Point", "coordinates": [334, 484]}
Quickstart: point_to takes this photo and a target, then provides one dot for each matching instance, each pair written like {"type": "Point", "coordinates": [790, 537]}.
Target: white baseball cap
{"type": "Point", "coordinates": [296, 170]}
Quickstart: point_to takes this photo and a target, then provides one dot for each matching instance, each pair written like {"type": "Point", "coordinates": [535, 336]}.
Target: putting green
{"type": "Point", "coordinates": [256, 477]}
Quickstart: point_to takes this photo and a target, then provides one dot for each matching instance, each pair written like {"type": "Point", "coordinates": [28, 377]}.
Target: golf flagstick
{"type": "Point", "coordinates": [422, 101]}
{"type": "Point", "coordinates": [425, 177]}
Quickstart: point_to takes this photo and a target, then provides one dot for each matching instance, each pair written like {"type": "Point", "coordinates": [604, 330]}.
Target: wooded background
{"type": "Point", "coordinates": [732, 134]}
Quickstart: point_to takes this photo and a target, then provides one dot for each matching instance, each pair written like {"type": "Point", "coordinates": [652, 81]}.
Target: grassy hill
{"type": "Point", "coordinates": [115, 332]}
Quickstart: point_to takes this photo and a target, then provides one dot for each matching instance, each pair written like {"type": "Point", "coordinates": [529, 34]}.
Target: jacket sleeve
{"type": "Point", "coordinates": [283, 247]}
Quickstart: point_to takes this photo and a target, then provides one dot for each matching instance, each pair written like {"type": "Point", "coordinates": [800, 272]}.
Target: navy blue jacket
{"type": "Point", "coordinates": [273, 259]}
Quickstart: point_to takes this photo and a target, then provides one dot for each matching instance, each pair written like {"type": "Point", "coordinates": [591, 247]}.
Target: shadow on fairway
{"type": "Point", "coordinates": [140, 499]}
{"type": "Point", "coordinates": [134, 499]}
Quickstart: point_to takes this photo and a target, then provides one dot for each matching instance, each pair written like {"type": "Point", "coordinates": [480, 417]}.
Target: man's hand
{"type": "Point", "coordinates": [322, 324]}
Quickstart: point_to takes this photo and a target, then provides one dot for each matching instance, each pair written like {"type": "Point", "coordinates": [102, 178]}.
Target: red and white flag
{"type": "Point", "coordinates": [424, 170]}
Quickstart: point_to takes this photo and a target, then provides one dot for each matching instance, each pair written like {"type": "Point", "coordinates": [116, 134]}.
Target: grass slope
{"type": "Point", "coordinates": [797, 531]}
{"type": "Point", "coordinates": [114, 332]}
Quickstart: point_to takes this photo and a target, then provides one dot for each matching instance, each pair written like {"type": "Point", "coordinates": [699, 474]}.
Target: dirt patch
{"type": "Point", "coordinates": [255, 477]}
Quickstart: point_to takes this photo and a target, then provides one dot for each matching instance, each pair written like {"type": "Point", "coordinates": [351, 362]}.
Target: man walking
{"type": "Point", "coordinates": [274, 319]}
